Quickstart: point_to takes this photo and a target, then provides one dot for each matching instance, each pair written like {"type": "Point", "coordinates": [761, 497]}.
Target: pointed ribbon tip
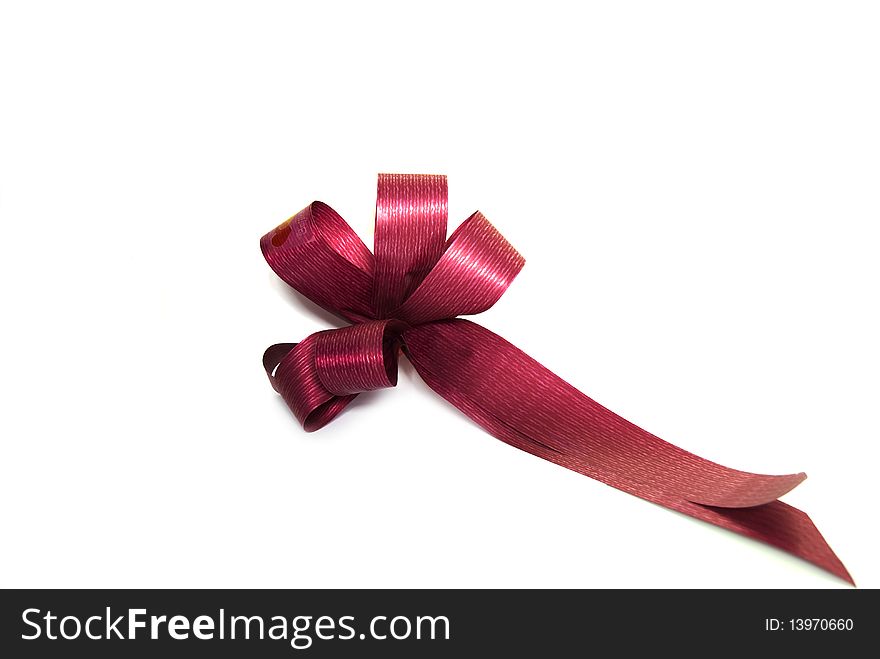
{"type": "Point", "coordinates": [408, 296]}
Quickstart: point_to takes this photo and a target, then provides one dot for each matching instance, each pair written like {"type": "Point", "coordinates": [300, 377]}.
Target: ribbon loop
{"type": "Point", "coordinates": [294, 377]}
{"type": "Point", "coordinates": [476, 268]}
{"type": "Point", "coordinates": [358, 358]}
{"type": "Point", "coordinates": [411, 216]}
{"type": "Point", "coordinates": [319, 255]}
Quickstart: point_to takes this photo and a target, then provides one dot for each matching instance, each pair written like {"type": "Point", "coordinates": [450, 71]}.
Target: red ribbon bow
{"type": "Point", "coordinates": [408, 296]}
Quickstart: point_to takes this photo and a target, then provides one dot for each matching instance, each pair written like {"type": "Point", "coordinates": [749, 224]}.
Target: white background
{"type": "Point", "coordinates": [694, 186]}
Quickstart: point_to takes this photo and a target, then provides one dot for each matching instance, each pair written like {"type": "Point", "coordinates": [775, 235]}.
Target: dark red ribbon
{"type": "Point", "coordinates": [408, 296]}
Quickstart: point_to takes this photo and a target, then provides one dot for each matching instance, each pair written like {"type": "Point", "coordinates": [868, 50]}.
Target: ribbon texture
{"type": "Point", "coordinates": [407, 297]}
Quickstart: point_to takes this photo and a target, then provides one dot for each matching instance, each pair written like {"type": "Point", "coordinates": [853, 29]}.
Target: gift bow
{"type": "Point", "coordinates": [407, 296]}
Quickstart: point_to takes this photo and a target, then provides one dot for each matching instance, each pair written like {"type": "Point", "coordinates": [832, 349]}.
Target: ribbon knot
{"type": "Point", "coordinates": [407, 296]}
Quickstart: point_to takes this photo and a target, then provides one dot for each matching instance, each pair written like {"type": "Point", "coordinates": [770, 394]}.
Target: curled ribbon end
{"type": "Point", "coordinates": [741, 489]}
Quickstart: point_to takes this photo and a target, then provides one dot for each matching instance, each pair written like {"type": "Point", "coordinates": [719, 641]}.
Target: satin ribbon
{"type": "Point", "coordinates": [407, 296]}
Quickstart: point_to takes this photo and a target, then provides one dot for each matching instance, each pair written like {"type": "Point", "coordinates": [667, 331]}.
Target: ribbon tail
{"type": "Point", "coordinates": [520, 402]}
{"type": "Point", "coordinates": [775, 523]}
